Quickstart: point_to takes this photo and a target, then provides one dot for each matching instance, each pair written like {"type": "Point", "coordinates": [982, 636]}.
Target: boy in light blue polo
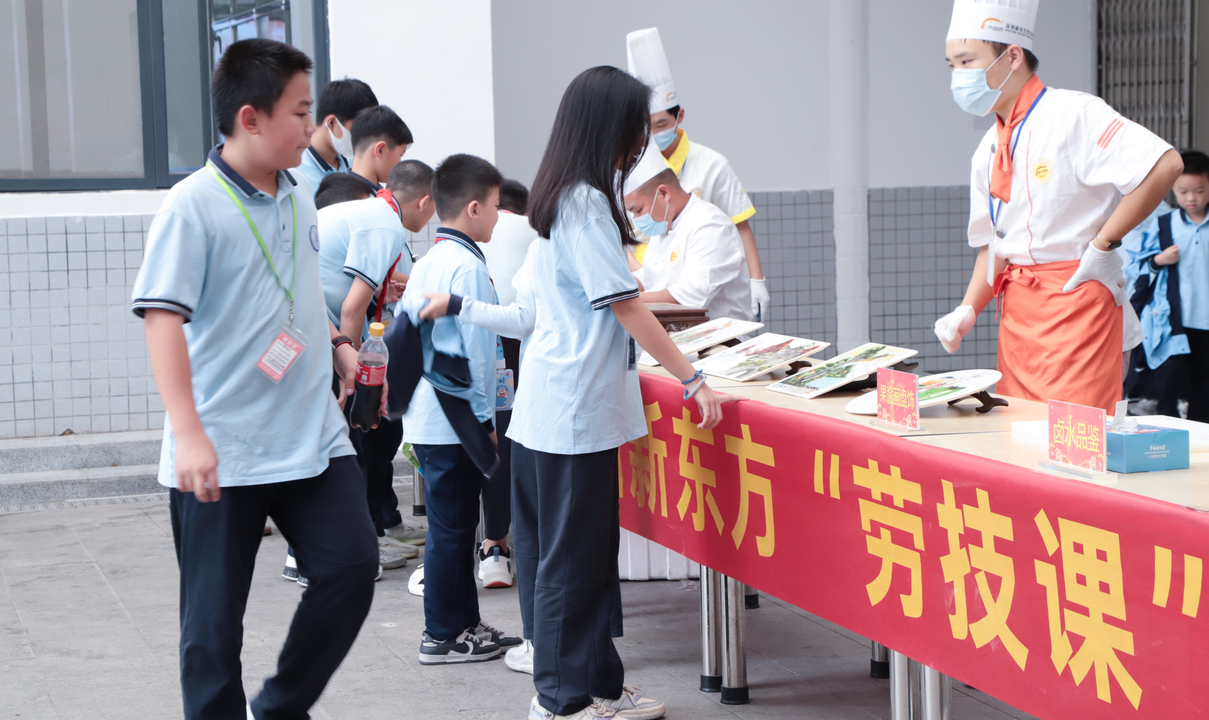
{"type": "Point", "coordinates": [331, 149]}
{"type": "Point", "coordinates": [242, 354]}
{"type": "Point", "coordinates": [465, 190]}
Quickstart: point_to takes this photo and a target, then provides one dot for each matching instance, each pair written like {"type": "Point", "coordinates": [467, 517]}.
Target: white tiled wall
{"type": "Point", "coordinates": [72, 355]}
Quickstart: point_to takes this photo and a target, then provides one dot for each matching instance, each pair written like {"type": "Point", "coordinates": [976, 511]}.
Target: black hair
{"type": "Point", "coordinates": [600, 129]}
{"type": "Point", "coordinates": [379, 123]}
{"type": "Point", "coordinates": [340, 187]}
{"type": "Point", "coordinates": [460, 179]}
{"type": "Point", "coordinates": [674, 111]}
{"type": "Point", "coordinates": [1195, 163]}
{"type": "Point", "coordinates": [514, 197]}
{"type": "Point", "coordinates": [253, 72]}
{"type": "Point", "coordinates": [410, 179]}
{"type": "Point", "coordinates": [344, 99]}
{"type": "Point", "coordinates": [1029, 58]}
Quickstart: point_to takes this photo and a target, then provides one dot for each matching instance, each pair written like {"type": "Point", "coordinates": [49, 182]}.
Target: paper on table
{"type": "Point", "coordinates": [705, 336]}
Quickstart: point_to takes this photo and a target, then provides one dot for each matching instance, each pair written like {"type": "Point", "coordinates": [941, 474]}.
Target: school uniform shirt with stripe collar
{"type": "Point", "coordinates": [700, 262]}
{"type": "Point", "coordinates": [588, 399]}
{"type": "Point", "coordinates": [359, 240]}
{"type": "Point", "coordinates": [203, 262]}
{"type": "Point", "coordinates": [707, 174]}
{"type": "Point", "coordinates": [454, 265]}
{"type": "Point", "coordinates": [314, 168]}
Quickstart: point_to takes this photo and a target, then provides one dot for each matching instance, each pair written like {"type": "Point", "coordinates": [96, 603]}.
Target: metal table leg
{"type": "Point", "coordinates": [751, 597]}
{"type": "Point", "coordinates": [917, 692]}
{"type": "Point", "coordinates": [902, 702]}
{"type": "Point", "coordinates": [937, 694]}
{"type": "Point", "coordinates": [417, 494]}
{"type": "Point", "coordinates": [711, 627]}
{"type": "Point", "coordinates": [879, 664]}
{"type": "Point", "coordinates": [734, 654]}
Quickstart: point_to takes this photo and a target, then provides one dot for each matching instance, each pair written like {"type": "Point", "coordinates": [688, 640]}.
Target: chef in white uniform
{"type": "Point", "coordinates": [1044, 190]}
{"type": "Point", "coordinates": [695, 256]}
{"type": "Point", "coordinates": [702, 171]}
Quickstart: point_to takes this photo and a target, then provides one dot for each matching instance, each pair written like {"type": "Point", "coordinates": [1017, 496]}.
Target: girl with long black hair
{"type": "Point", "coordinates": [578, 303]}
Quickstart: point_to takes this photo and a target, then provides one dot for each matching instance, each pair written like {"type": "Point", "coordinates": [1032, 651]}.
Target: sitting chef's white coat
{"type": "Point", "coordinates": [700, 262]}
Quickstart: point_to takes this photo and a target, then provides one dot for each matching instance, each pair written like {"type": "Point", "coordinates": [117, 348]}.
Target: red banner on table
{"type": "Point", "coordinates": [1076, 436]}
{"type": "Point", "coordinates": [898, 398]}
{"type": "Point", "coordinates": [1064, 599]}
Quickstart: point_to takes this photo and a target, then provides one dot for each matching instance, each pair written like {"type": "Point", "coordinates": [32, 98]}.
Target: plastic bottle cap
{"type": "Point", "coordinates": [376, 329]}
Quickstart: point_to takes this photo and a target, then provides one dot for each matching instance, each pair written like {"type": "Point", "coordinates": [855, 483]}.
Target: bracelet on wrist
{"type": "Point", "coordinates": [340, 340]}
{"type": "Point", "coordinates": [691, 380]}
{"type": "Point", "coordinates": [688, 394]}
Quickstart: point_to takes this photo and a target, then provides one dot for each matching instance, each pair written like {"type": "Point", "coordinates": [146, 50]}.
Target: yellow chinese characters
{"type": "Point", "coordinates": [882, 545]}
{"type": "Point", "coordinates": [1092, 578]}
{"type": "Point", "coordinates": [896, 396]}
{"type": "Point", "coordinates": [702, 478]}
{"type": "Point", "coordinates": [649, 478]}
{"type": "Point", "coordinates": [752, 484]}
{"type": "Point", "coordinates": [986, 560]}
{"type": "Point", "coordinates": [1193, 569]}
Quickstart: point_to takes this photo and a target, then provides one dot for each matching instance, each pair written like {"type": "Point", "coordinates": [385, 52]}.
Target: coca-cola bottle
{"type": "Point", "coordinates": [371, 378]}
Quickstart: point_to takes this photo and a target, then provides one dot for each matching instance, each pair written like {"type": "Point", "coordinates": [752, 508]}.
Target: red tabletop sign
{"type": "Point", "coordinates": [1076, 436]}
{"type": "Point", "coordinates": [898, 398]}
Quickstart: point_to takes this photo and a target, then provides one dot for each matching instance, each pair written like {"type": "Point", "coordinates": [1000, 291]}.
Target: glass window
{"type": "Point", "coordinates": [235, 20]}
{"type": "Point", "coordinates": [70, 94]}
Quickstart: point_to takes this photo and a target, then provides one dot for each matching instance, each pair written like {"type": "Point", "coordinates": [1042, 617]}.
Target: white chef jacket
{"type": "Point", "coordinates": [510, 241]}
{"type": "Point", "coordinates": [706, 174]}
{"type": "Point", "coordinates": [1074, 158]}
{"type": "Point", "coordinates": [700, 262]}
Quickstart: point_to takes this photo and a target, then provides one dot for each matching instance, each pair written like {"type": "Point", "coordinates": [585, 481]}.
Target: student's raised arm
{"type": "Point", "coordinates": [514, 321]}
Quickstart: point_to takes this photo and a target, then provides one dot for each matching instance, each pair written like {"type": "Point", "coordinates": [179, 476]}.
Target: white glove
{"type": "Point", "coordinates": [1102, 266]}
{"type": "Point", "coordinates": [760, 299]}
{"type": "Point", "coordinates": [951, 328]}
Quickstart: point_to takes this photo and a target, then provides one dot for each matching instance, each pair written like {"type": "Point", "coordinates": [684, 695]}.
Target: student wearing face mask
{"type": "Point", "coordinates": [702, 171]}
{"type": "Point", "coordinates": [331, 149]}
{"type": "Point", "coordinates": [1044, 183]}
{"type": "Point", "coordinates": [695, 256]}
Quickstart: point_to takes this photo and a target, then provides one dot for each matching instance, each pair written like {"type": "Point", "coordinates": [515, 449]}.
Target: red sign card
{"type": "Point", "coordinates": [898, 398]}
{"type": "Point", "coordinates": [1076, 436]}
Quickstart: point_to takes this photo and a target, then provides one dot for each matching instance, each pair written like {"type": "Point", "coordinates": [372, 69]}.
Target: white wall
{"type": "Point", "coordinates": [429, 61]}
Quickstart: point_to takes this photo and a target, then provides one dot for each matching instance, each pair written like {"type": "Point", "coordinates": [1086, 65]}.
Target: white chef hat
{"type": "Point", "coordinates": [649, 165]}
{"type": "Point", "coordinates": [648, 63]}
{"type": "Point", "coordinates": [1003, 21]}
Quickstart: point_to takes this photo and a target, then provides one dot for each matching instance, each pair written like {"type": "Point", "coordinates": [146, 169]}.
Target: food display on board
{"type": "Point", "coordinates": [758, 356]}
{"type": "Point", "coordinates": [706, 335]}
{"type": "Point", "coordinates": [935, 390]}
{"type": "Point", "coordinates": [840, 370]}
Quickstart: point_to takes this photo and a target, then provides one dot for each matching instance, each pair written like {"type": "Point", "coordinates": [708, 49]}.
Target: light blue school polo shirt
{"type": "Point", "coordinates": [1193, 241]}
{"type": "Point", "coordinates": [587, 398]}
{"type": "Point", "coordinates": [203, 262]}
{"type": "Point", "coordinates": [314, 168]}
{"type": "Point", "coordinates": [359, 240]}
{"type": "Point", "coordinates": [454, 265]}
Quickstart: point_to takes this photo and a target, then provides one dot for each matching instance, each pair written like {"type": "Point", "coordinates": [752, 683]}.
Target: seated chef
{"type": "Point", "coordinates": [695, 256]}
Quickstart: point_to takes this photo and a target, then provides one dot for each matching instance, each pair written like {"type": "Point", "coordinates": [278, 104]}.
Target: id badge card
{"type": "Point", "coordinates": [505, 390]}
{"type": "Point", "coordinates": [282, 352]}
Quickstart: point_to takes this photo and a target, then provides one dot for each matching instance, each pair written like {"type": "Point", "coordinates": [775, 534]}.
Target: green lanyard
{"type": "Point", "coordinates": [235, 198]}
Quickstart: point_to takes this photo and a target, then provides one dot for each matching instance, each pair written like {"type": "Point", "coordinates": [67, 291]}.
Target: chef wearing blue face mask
{"type": "Point", "coordinates": [695, 255]}
{"type": "Point", "coordinates": [1045, 185]}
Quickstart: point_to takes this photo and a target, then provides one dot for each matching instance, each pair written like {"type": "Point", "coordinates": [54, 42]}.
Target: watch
{"type": "Point", "coordinates": [1112, 244]}
{"type": "Point", "coordinates": [340, 340]}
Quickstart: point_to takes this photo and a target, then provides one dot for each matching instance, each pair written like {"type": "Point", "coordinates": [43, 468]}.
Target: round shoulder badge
{"type": "Point", "coordinates": [315, 237]}
{"type": "Point", "coordinates": [1043, 171]}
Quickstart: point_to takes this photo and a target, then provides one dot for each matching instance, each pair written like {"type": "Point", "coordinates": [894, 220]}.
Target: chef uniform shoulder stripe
{"type": "Point", "coordinates": [1110, 132]}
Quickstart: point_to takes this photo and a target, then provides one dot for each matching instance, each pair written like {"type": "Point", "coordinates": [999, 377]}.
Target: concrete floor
{"type": "Point", "coordinates": [89, 629]}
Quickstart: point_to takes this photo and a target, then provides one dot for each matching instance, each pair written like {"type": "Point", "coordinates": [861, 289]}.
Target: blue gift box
{"type": "Point", "coordinates": [1147, 448]}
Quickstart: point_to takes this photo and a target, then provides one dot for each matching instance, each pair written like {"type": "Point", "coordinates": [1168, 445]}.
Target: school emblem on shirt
{"type": "Point", "coordinates": [1043, 171]}
{"type": "Point", "coordinates": [315, 237]}
{"type": "Point", "coordinates": [675, 255]}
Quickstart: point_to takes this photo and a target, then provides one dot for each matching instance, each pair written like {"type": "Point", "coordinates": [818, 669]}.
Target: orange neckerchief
{"type": "Point", "coordinates": [1001, 165]}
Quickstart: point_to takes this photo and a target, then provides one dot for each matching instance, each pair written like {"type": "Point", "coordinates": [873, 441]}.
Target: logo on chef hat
{"type": "Point", "coordinates": [996, 25]}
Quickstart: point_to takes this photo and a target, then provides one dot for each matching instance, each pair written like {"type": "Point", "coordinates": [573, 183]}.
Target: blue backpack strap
{"type": "Point", "coordinates": [1166, 240]}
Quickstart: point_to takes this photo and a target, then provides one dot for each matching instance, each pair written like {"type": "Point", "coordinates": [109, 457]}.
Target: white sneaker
{"type": "Point", "coordinates": [390, 558]}
{"type": "Point", "coordinates": [633, 705]}
{"type": "Point", "coordinates": [398, 546]}
{"type": "Point", "coordinates": [415, 583]}
{"type": "Point", "coordinates": [495, 568]}
{"type": "Point", "coordinates": [520, 658]}
{"type": "Point", "coordinates": [591, 712]}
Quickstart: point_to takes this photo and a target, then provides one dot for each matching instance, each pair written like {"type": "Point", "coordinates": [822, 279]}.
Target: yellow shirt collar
{"type": "Point", "coordinates": [676, 161]}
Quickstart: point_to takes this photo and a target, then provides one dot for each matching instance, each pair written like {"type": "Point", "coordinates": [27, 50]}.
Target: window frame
{"type": "Point", "coordinates": [153, 92]}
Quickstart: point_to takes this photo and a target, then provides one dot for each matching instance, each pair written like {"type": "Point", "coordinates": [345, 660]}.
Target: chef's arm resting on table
{"type": "Point", "coordinates": [1100, 261]}
{"type": "Point", "coordinates": [659, 296]}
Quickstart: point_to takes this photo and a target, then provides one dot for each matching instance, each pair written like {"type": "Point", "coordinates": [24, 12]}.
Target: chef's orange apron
{"type": "Point", "coordinates": [1055, 345]}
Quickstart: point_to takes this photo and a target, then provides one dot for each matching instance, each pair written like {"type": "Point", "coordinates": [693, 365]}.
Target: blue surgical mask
{"type": "Point", "coordinates": [664, 138]}
{"type": "Point", "coordinates": [648, 226]}
{"type": "Point", "coordinates": [971, 91]}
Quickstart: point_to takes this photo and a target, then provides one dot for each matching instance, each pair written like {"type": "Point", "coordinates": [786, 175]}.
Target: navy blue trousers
{"type": "Point", "coordinates": [452, 484]}
{"type": "Point", "coordinates": [376, 455]}
{"type": "Point", "coordinates": [566, 531]}
{"type": "Point", "coordinates": [325, 520]}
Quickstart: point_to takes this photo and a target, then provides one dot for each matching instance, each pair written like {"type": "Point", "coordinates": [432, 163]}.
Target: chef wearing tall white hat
{"type": "Point", "coordinates": [1043, 187]}
{"type": "Point", "coordinates": [695, 255]}
{"type": "Point", "coordinates": [702, 171]}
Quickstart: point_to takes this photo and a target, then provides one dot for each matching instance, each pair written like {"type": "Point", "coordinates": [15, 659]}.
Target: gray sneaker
{"type": "Point", "coordinates": [399, 547]}
{"type": "Point", "coordinates": [595, 711]}
{"type": "Point", "coordinates": [409, 531]}
{"type": "Point", "coordinates": [390, 558]}
{"type": "Point", "coordinates": [633, 705]}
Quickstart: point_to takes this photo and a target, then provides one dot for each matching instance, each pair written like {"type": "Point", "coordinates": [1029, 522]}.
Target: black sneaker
{"type": "Point", "coordinates": [290, 572]}
{"type": "Point", "coordinates": [486, 633]}
{"type": "Point", "coordinates": [466, 648]}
